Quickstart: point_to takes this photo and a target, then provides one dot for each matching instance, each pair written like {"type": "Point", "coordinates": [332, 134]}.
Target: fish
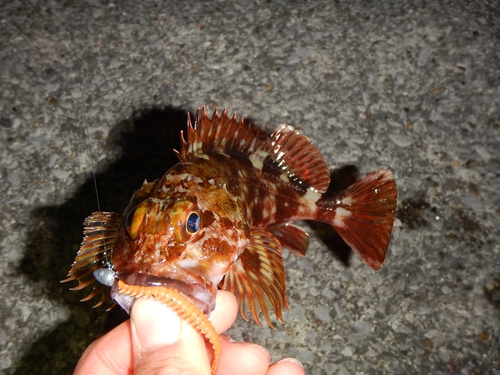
{"type": "Point", "coordinates": [222, 217]}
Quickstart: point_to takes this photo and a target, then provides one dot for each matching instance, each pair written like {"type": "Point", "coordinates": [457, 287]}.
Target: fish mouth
{"type": "Point", "coordinates": [199, 291]}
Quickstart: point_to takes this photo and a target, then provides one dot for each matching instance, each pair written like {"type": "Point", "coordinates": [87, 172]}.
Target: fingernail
{"type": "Point", "coordinates": [293, 360]}
{"type": "Point", "coordinates": [262, 349]}
{"type": "Point", "coordinates": [154, 324]}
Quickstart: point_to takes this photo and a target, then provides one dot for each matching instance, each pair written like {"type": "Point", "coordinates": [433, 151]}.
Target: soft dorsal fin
{"type": "Point", "coordinates": [218, 134]}
{"type": "Point", "coordinates": [296, 155]}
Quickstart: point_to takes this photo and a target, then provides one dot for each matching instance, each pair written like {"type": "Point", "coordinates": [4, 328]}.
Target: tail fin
{"type": "Point", "coordinates": [364, 216]}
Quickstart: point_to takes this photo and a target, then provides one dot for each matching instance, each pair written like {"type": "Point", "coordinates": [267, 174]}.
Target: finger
{"type": "Point", "coordinates": [108, 355]}
{"type": "Point", "coordinates": [243, 358]}
{"type": "Point", "coordinates": [162, 342]}
{"type": "Point", "coordinates": [225, 312]}
{"type": "Point", "coordinates": [112, 353]}
{"type": "Point", "coordinates": [287, 366]}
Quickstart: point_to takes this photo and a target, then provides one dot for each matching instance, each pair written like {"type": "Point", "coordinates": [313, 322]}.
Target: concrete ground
{"type": "Point", "coordinates": [413, 86]}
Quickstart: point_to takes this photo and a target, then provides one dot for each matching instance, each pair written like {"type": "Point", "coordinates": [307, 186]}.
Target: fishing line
{"type": "Point", "coordinates": [107, 257]}
{"type": "Point", "coordinates": [89, 142]}
{"type": "Point", "coordinates": [105, 250]}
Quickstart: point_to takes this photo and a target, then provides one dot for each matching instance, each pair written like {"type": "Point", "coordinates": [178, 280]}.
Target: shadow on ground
{"type": "Point", "coordinates": [146, 140]}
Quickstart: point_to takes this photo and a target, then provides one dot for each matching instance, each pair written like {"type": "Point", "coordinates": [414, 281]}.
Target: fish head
{"type": "Point", "coordinates": [185, 240]}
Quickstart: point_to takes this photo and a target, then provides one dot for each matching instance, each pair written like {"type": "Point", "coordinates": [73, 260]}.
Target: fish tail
{"type": "Point", "coordinates": [363, 215]}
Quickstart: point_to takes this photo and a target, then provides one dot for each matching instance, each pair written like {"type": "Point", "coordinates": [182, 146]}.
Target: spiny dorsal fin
{"type": "Point", "coordinates": [296, 155]}
{"type": "Point", "coordinates": [218, 134]}
{"type": "Point", "coordinates": [287, 148]}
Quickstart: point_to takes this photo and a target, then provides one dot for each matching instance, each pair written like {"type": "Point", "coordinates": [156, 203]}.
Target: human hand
{"type": "Point", "coordinates": [155, 340]}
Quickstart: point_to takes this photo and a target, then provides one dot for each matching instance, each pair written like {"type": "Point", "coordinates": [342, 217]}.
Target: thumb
{"type": "Point", "coordinates": [163, 344]}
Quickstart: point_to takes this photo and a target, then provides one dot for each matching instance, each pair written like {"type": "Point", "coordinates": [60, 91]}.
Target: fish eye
{"type": "Point", "coordinates": [193, 223]}
{"type": "Point", "coordinates": [186, 221]}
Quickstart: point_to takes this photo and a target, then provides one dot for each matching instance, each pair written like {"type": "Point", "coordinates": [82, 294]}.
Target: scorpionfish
{"type": "Point", "coordinates": [221, 218]}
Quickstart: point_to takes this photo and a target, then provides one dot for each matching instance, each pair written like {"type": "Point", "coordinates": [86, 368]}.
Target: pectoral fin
{"type": "Point", "coordinates": [257, 278]}
{"type": "Point", "coordinates": [100, 230]}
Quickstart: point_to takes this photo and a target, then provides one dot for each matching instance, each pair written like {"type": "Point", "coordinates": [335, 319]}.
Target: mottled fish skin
{"type": "Point", "coordinates": [221, 217]}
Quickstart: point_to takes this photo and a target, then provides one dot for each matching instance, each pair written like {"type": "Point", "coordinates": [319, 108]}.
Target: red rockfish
{"type": "Point", "coordinates": [221, 218]}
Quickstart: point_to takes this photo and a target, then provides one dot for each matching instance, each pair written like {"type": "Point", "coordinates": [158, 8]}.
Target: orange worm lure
{"type": "Point", "coordinates": [186, 310]}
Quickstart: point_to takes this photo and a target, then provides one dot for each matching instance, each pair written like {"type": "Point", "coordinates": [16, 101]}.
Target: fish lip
{"type": "Point", "coordinates": [199, 291]}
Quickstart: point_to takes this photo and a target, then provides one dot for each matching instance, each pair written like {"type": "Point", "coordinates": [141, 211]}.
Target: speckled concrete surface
{"type": "Point", "coordinates": [412, 86]}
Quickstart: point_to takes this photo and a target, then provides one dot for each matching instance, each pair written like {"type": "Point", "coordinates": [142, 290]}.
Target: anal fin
{"type": "Point", "coordinates": [291, 237]}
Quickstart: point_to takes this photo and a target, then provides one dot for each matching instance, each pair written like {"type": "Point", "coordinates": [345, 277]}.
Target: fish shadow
{"type": "Point", "coordinates": [146, 140]}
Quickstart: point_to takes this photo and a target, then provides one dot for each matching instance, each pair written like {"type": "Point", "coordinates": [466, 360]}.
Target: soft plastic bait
{"type": "Point", "coordinates": [186, 310]}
